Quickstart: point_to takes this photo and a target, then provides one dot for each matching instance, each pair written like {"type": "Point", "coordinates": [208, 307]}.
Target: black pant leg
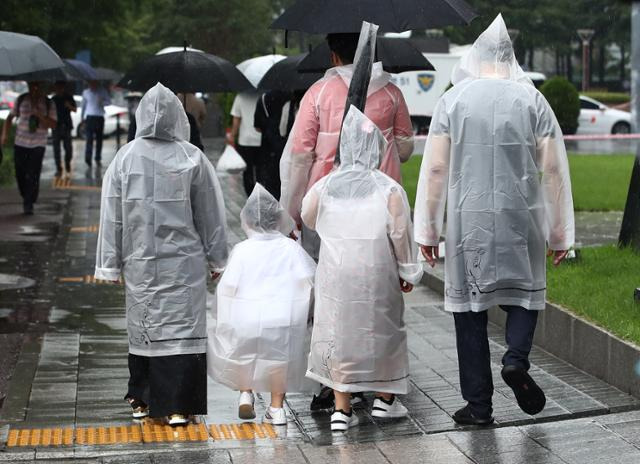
{"type": "Point", "coordinates": [178, 385]}
{"type": "Point", "coordinates": [248, 154]}
{"type": "Point", "coordinates": [20, 161]}
{"type": "Point", "coordinates": [99, 131]}
{"type": "Point", "coordinates": [35, 169]}
{"type": "Point", "coordinates": [521, 326]}
{"type": "Point", "coordinates": [474, 361]}
{"type": "Point", "coordinates": [68, 149]}
{"type": "Point", "coordinates": [57, 138]}
{"type": "Point", "coordinates": [89, 135]}
{"type": "Point", "coordinates": [138, 378]}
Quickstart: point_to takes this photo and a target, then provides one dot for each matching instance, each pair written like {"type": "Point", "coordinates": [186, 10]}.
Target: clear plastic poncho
{"type": "Point", "coordinates": [260, 339]}
{"type": "Point", "coordinates": [162, 219]}
{"type": "Point", "coordinates": [362, 216]}
{"type": "Point", "coordinates": [496, 156]}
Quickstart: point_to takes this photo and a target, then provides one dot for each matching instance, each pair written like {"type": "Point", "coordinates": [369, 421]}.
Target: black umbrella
{"type": "Point", "coordinates": [329, 16]}
{"type": "Point", "coordinates": [22, 54]}
{"type": "Point", "coordinates": [106, 74]}
{"type": "Point", "coordinates": [84, 70]}
{"type": "Point", "coordinates": [284, 75]}
{"type": "Point", "coordinates": [397, 56]}
{"type": "Point", "coordinates": [186, 72]}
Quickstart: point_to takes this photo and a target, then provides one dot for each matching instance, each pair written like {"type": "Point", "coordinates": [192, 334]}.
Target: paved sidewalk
{"type": "Point", "coordinates": [72, 374]}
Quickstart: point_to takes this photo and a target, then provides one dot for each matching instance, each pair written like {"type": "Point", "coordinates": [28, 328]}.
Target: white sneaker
{"type": "Point", "coordinates": [383, 409]}
{"type": "Point", "coordinates": [178, 419]}
{"type": "Point", "coordinates": [340, 422]}
{"type": "Point", "coordinates": [275, 416]}
{"type": "Point", "coordinates": [246, 410]}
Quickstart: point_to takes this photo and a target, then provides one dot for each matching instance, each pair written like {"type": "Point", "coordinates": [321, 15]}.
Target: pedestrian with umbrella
{"type": "Point", "coordinates": [65, 105]}
{"type": "Point", "coordinates": [24, 55]}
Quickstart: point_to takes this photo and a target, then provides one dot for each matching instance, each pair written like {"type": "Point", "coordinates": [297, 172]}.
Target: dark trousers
{"type": "Point", "coordinates": [269, 174]}
{"type": "Point", "coordinates": [474, 358]}
{"type": "Point", "coordinates": [169, 384]}
{"type": "Point", "coordinates": [62, 135]}
{"type": "Point", "coordinates": [253, 157]}
{"type": "Point", "coordinates": [94, 129]}
{"type": "Point", "coordinates": [28, 164]}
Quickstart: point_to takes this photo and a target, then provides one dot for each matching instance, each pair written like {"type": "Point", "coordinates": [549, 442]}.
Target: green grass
{"type": "Point", "coordinates": [608, 98]}
{"type": "Point", "coordinates": [599, 182]}
{"type": "Point", "coordinates": [7, 176]}
{"type": "Point", "coordinates": [599, 286]}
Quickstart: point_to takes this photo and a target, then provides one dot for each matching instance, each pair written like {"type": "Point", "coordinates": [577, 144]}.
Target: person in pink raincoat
{"type": "Point", "coordinates": [311, 148]}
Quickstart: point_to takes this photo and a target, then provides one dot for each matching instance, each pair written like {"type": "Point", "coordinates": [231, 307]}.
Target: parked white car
{"type": "Point", "coordinates": [110, 119]}
{"type": "Point", "coordinates": [598, 118]}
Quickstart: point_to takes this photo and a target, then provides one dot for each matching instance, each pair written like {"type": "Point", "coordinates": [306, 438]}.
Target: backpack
{"type": "Point", "coordinates": [21, 98]}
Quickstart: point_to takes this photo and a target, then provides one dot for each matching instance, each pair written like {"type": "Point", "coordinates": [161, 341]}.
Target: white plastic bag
{"type": "Point", "coordinates": [231, 161]}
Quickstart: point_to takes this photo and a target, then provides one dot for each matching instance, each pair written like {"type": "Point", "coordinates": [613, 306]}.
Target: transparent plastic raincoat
{"type": "Point", "coordinates": [263, 302]}
{"type": "Point", "coordinates": [362, 215]}
{"type": "Point", "coordinates": [162, 219]}
{"type": "Point", "coordinates": [495, 156]}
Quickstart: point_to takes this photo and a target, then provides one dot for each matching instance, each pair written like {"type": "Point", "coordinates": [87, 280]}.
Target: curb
{"type": "Point", "coordinates": [577, 341]}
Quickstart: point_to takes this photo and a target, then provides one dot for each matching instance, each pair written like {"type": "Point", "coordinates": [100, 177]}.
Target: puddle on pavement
{"type": "Point", "coordinates": [12, 282]}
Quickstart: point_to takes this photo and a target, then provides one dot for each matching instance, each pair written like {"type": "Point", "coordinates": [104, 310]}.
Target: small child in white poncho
{"type": "Point", "coordinates": [263, 299]}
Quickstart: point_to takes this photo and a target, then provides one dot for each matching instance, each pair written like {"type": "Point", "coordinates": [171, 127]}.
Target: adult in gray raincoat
{"type": "Point", "coordinates": [162, 222]}
{"type": "Point", "coordinates": [496, 157]}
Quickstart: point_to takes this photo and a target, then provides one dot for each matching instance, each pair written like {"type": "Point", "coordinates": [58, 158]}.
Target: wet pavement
{"type": "Point", "coordinates": [71, 372]}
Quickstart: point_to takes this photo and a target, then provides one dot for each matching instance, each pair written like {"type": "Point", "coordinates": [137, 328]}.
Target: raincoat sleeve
{"type": "Point", "coordinates": [431, 195]}
{"type": "Point", "coordinates": [109, 248]}
{"type": "Point", "coordinates": [209, 218]}
{"type": "Point", "coordinates": [298, 157]}
{"type": "Point", "coordinates": [310, 205]}
{"type": "Point", "coordinates": [403, 130]}
{"type": "Point", "coordinates": [553, 165]}
{"type": "Point", "coordinates": [401, 236]}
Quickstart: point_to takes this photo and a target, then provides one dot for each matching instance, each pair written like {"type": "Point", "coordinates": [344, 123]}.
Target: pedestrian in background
{"type": "Point", "coordinates": [162, 225]}
{"type": "Point", "coordinates": [36, 114]}
{"type": "Point", "coordinates": [65, 105]}
{"type": "Point", "coordinates": [249, 140]}
{"type": "Point", "coordinates": [94, 99]}
{"type": "Point", "coordinates": [495, 158]}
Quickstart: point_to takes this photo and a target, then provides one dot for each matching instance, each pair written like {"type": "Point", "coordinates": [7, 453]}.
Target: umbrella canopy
{"type": "Point", "coordinates": [284, 75]}
{"type": "Point", "coordinates": [254, 69]}
{"type": "Point", "coordinates": [106, 74]}
{"type": "Point", "coordinates": [397, 56]}
{"type": "Point", "coordinates": [83, 70]}
{"type": "Point", "coordinates": [330, 16]}
{"type": "Point", "coordinates": [186, 72]}
{"type": "Point", "coordinates": [21, 54]}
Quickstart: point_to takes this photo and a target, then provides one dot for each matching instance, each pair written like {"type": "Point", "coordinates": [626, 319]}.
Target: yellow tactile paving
{"type": "Point", "coordinates": [93, 229]}
{"type": "Point", "coordinates": [148, 432]}
{"type": "Point", "coordinates": [65, 183]}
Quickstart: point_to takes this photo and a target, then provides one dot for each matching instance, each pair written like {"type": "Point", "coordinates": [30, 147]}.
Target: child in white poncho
{"type": "Point", "coordinates": [263, 299]}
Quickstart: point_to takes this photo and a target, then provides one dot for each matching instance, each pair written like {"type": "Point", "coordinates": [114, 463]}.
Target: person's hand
{"type": "Point", "coordinates": [405, 286]}
{"type": "Point", "coordinates": [430, 253]}
{"type": "Point", "coordinates": [293, 236]}
{"type": "Point", "coordinates": [299, 226]}
{"type": "Point", "coordinates": [215, 275]}
{"type": "Point", "coordinates": [558, 256]}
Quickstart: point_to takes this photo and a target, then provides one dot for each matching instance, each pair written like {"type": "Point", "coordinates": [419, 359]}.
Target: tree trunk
{"type": "Point", "coordinates": [532, 52]}
{"type": "Point", "coordinates": [623, 70]}
{"type": "Point", "coordinates": [558, 67]}
{"type": "Point", "coordinates": [569, 67]}
{"type": "Point", "coordinates": [602, 65]}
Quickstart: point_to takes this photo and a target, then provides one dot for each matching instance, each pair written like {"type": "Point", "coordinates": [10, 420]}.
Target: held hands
{"type": "Point", "coordinates": [558, 256]}
{"type": "Point", "coordinates": [215, 275]}
{"type": "Point", "coordinates": [430, 253]}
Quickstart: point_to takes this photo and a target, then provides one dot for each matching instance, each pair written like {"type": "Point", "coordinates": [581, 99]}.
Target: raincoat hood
{"type": "Point", "coordinates": [490, 57]}
{"type": "Point", "coordinates": [160, 115]}
{"type": "Point", "coordinates": [262, 214]}
{"type": "Point", "coordinates": [379, 77]}
{"type": "Point", "coordinates": [361, 143]}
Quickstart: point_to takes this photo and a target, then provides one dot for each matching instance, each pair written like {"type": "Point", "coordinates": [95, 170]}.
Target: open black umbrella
{"type": "Point", "coordinates": [84, 70]}
{"type": "Point", "coordinates": [330, 16]}
{"type": "Point", "coordinates": [397, 56]}
{"type": "Point", "coordinates": [22, 54]}
{"type": "Point", "coordinates": [187, 72]}
{"type": "Point", "coordinates": [106, 74]}
{"type": "Point", "coordinates": [284, 75]}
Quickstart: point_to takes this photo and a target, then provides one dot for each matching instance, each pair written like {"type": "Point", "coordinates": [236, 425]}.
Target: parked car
{"type": "Point", "coordinates": [110, 119]}
{"type": "Point", "coordinates": [597, 118]}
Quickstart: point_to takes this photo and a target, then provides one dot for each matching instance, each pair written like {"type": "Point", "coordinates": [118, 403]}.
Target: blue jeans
{"type": "Point", "coordinates": [93, 128]}
{"type": "Point", "coordinates": [474, 357]}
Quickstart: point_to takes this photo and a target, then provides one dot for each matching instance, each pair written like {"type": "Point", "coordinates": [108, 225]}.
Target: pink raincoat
{"type": "Point", "coordinates": [312, 145]}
